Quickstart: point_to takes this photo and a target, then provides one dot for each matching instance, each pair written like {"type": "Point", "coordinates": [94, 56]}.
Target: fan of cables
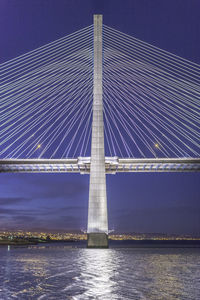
{"type": "Point", "coordinates": [151, 100]}
{"type": "Point", "coordinates": [46, 100]}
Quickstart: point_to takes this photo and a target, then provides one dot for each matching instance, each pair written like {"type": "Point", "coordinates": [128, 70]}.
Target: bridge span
{"type": "Point", "coordinates": [113, 165]}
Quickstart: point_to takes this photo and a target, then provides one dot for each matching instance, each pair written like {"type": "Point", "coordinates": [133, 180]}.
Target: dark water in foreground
{"type": "Point", "coordinates": [63, 271]}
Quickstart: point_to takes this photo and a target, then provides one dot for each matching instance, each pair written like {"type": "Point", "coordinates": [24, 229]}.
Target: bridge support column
{"type": "Point", "coordinates": [97, 211]}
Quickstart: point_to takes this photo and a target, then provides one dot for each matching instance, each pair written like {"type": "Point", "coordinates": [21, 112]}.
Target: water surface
{"type": "Point", "coordinates": [65, 271]}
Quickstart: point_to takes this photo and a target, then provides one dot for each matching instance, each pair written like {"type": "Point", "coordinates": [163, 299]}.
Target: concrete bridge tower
{"type": "Point", "coordinates": [97, 211]}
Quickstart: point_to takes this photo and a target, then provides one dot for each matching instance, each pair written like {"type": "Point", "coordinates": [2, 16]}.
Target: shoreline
{"type": "Point", "coordinates": [114, 243]}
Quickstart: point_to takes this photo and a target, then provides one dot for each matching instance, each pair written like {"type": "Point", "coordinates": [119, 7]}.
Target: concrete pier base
{"type": "Point", "coordinates": [97, 240]}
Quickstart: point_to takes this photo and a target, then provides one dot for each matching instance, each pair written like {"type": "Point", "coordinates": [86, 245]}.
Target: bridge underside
{"type": "Point", "coordinates": [113, 165]}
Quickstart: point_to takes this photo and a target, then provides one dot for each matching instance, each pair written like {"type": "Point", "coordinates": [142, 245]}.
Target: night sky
{"type": "Point", "coordinates": [156, 203]}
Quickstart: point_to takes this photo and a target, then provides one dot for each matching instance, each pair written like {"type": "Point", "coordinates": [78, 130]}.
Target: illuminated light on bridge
{"type": "Point", "coordinates": [111, 102]}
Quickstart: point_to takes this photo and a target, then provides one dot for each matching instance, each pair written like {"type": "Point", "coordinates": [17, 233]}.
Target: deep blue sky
{"type": "Point", "coordinates": [168, 203]}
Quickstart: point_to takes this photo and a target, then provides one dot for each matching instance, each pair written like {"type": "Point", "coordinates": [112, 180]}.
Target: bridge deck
{"type": "Point", "coordinates": [113, 165]}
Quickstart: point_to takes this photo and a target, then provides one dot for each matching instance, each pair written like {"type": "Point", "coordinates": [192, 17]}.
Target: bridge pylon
{"type": "Point", "coordinates": [97, 230]}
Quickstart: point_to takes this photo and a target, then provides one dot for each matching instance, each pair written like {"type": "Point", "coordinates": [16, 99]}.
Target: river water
{"type": "Point", "coordinates": [70, 271]}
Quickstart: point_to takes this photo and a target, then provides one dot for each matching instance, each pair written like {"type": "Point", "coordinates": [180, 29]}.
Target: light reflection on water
{"type": "Point", "coordinates": [63, 272]}
{"type": "Point", "coordinates": [98, 268]}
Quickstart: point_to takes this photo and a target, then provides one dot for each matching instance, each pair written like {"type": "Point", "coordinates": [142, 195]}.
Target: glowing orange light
{"type": "Point", "coordinates": [38, 146]}
{"type": "Point", "coordinates": [157, 145]}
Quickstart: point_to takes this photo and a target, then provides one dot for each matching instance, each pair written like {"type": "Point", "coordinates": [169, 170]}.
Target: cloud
{"type": "Point", "coordinates": [177, 220]}
{"type": "Point", "coordinates": [15, 212]}
{"type": "Point", "coordinates": [36, 222]}
{"type": "Point", "coordinates": [45, 186]}
{"type": "Point", "coordinates": [68, 218]}
{"type": "Point", "coordinates": [73, 208]}
{"type": "Point", "coordinates": [58, 189]}
{"type": "Point", "coordinates": [24, 219]}
{"type": "Point", "coordinates": [12, 200]}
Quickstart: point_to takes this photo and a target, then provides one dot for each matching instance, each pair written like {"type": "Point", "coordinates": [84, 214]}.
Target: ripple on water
{"type": "Point", "coordinates": [68, 273]}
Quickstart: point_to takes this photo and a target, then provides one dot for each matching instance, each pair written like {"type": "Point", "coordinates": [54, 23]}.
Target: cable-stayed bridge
{"type": "Point", "coordinates": [99, 102]}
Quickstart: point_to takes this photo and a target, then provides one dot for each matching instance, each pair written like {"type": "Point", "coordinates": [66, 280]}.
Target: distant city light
{"type": "Point", "coordinates": [38, 146]}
